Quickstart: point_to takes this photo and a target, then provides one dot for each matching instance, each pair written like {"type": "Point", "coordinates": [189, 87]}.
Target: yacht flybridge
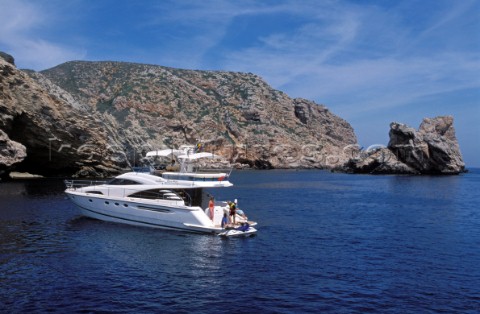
{"type": "Point", "coordinates": [175, 200]}
{"type": "Point", "coordinates": [189, 168]}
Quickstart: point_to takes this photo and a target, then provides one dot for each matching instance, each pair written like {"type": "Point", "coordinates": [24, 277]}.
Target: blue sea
{"type": "Point", "coordinates": [326, 243]}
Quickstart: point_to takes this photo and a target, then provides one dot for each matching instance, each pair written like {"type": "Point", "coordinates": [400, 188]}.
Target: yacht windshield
{"type": "Point", "coordinates": [118, 181]}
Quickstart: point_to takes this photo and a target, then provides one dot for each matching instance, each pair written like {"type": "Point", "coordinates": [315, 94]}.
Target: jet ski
{"type": "Point", "coordinates": [243, 231]}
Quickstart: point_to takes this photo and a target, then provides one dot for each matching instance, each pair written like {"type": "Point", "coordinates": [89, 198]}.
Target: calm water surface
{"type": "Point", "coordinates": [326, 243]}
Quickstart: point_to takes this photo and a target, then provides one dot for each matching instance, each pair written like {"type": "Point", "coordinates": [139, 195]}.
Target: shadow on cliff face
{"type": "Point", "coordinates": [32, 166]}
{"type": "Point", "coordinates": [41, 158]}
{"type": "Point", "coordinates": [255, 164]}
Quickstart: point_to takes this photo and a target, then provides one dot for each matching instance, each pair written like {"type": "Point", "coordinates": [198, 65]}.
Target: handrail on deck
{"type": "Point", "coordinates": [75, 184]}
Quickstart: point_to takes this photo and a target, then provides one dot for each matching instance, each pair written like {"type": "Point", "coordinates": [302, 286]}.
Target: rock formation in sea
{"type": "Point", "coordinates": [99, 118]}
{"type": "Point", "coordinates": [432, 149]}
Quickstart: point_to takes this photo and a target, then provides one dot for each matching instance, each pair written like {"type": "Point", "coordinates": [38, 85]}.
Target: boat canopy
{"type": "Point", "coordinates": [198, 156]}
{"type": "Point", "coordinates": [164, 152]}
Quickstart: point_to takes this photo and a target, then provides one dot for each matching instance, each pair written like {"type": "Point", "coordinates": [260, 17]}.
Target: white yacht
{"type": "Point", "coordinates": [174, 201]}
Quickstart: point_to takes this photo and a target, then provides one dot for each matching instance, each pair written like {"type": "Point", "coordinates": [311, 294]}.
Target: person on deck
{"type": "Point", "coordinates": [224, 220]}
{"type": "Point", "coordinates": [244, 227]}
{"type": "Point", "coordinates": [241, 213]}
{"type": "Point", "coordinates": [233, 211]}
{"type": "Point", "coordinates": [211, 207]}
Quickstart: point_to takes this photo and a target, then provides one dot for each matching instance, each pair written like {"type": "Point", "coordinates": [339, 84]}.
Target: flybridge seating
{"type": "Point", "coordinates": [196, 175]}
{"type": "Point", "coordinates": [188, 162]}
{"type": "Point", "coordinates": [203, 175]}
{"type": "Point", "coordinates": [218, 176]}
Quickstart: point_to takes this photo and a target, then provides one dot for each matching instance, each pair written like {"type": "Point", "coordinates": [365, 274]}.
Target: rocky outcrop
{"type": "Point", "coordinates": [377, 161]}
{"type": "Point", "coordinates": [432, 149]}
{"type": "Point", "coordinates": [236, 115]}
{"type": "Point", "coordinates": [98, 118]}
{"type": "Point", "coordinates": [11, 152]}
{"type": "Point", "coordinates": [57, 137]}
{"type": "Point", "coordinates": [7, 57]}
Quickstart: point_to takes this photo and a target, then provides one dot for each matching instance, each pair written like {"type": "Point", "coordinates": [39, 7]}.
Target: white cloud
{"type": "Point", "coordinates": [361, 57]}
{"type": "Point", "coordinates": [389, 82]}
{"type": "Point", "coordinates": [18, 16]}
{"type": "Point", "coordinates": [40, 54]}
{"type": "Point", "coordinates": [21, 35]}
{"type": "Point", "coordinates": [200, 27]}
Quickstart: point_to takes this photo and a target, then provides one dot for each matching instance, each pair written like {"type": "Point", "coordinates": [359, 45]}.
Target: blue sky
{"type": "Point", "coordinates": [370, 62]}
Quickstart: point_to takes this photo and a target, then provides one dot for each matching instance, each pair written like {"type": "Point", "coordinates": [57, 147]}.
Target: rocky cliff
{"type": "Point", "coordinates": [97, 118]}
{"type": "Point", "coordinates": [432, 149]}
{"type": "Point", "coordinates": [44, 134]}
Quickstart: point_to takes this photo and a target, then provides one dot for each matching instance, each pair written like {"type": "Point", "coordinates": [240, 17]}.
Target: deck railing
{"type": "Point", "coordinates": [75, 184]}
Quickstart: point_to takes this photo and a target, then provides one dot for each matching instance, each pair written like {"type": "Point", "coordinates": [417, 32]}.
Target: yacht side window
{"type": "Point", "coordinates": [117, 181]}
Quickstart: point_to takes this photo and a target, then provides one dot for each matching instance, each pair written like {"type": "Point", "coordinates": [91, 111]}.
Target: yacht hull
{"type": "Point", "coordinates": [145, 213]}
